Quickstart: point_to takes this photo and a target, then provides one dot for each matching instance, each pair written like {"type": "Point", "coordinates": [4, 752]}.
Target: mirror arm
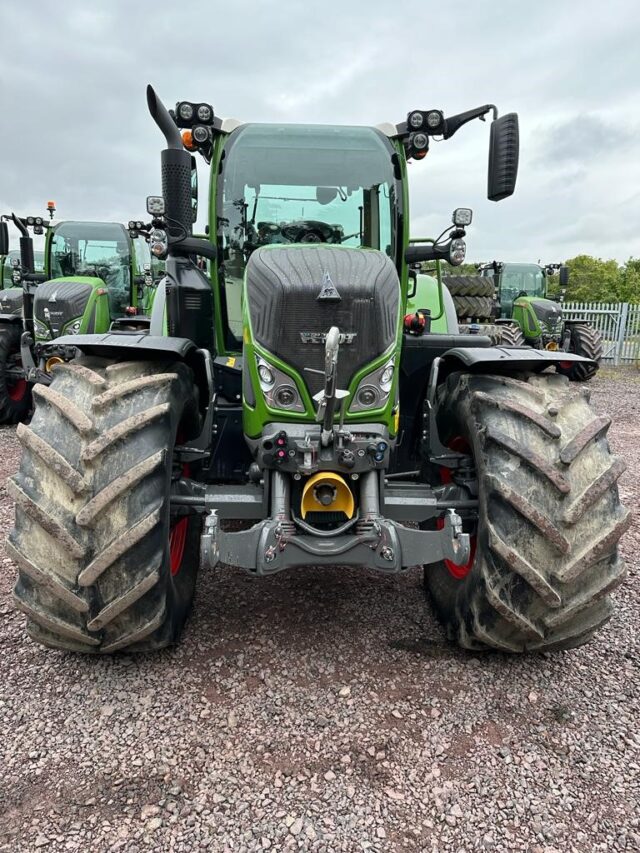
{"type": "Point", "coordinates": [193, 246]}
{"type": "Point", "coordinates": [454, 123]}
{"type": "Point", "coordinates": [429, 252]}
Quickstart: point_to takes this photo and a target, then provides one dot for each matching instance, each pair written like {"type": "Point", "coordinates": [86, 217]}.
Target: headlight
{"type": "Point", "coordinates": [279, 389]}
{"type": "Point", "coordinates": [420, 141]}
{"type": "Point", "coordinates": [415, 119]}
{"type": "Point", "coordinates": [386, 377]}
{"type": "Point", "coordinates": [41, 330]}
{"type": "Point", "coordinates": [205, 113]}
{"type": "Point", "coordinates": [457, 252]}
{"type": "Point", "coordinates": [158, 243]}
{"type": "Point", "coordinates": [200, 134]}
{"type": "Point", "coordinates": [185, 111]}
{"type": "Point", "coordinates": [74, 328]}
{"type": "Point", "coordinates": [265, 374]}
{"type": "Point", "coordinates": [434, 119]}
{"type": "Point", "coordinates": [285, 396]}
{"type": "Point", "coordinates": [374, 388]}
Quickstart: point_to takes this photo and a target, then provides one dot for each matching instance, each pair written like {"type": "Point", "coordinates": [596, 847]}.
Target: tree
{"type": "Point", "coordinates": [630, 283]}
{"type": "Point", "coordinates": [593, 280]}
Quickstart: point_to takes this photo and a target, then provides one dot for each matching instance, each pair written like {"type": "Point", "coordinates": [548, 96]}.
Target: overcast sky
{"type": "Point", "coordinates": [76, 129]}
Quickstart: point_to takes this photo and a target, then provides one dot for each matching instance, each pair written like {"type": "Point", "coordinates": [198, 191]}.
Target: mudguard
{"type": "Point", "coordinates": [129, 345]}
{"type": "Point", "coordinates": [488, 359]}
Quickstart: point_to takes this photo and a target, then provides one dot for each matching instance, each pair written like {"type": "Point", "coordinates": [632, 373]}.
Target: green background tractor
{"type": "Point", "coordinates": [90, 275]}
{"type": "Point", "coordinates": [290, 405]}
{"type": "Point", "coordinates": [528, 317]}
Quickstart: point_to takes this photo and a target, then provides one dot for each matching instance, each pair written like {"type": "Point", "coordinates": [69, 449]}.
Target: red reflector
{"type": "Point", "coordinates": [565, 365]}
{"type": "Point", "coordinates": [131, 309]}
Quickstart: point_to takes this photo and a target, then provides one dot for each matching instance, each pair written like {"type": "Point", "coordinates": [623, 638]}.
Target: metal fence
{"type": "Point", "coordinates": [618, 323]}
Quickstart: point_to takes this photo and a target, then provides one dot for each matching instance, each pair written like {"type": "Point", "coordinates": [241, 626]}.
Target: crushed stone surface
{"type": "Point", "coordinates": [324, 710]}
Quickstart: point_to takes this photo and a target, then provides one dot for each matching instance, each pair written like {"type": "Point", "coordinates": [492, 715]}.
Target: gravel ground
{"type": "Point", "coordinates": [324, 710]}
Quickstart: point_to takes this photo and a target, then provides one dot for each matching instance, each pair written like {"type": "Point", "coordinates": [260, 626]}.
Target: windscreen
{"type": "Point", "coordinates": [516, 279]}
{"type": "Point", "coordinates": [285, 184]}
{"type": "Point", "coordinates": [98, 249]}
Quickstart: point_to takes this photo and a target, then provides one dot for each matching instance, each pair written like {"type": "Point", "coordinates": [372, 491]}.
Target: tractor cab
{"type": "Point", "coordinates": [95, 277]}
{"type": "Point", "coordinates": [284, 185]}
{"type": "Point", "coordinates": [514, 281]}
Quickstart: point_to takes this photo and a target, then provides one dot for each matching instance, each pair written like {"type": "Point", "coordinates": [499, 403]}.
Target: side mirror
{"type": "Point", "coordinates": [194, 189]}
{"type": "Point", "coordinates": [564, 276]}
{"type": "Point", "coordinates": [4, 238]}
{"type": "Point", "coordinates": [504, 147]}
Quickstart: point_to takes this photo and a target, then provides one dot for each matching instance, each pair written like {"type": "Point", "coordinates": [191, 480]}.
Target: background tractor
{"type": "Point", "coordinates": [90, 276]}
{"type": "Point", "coordinates": [528, 317]}
{"type": "Point", "coordinates": [289, 406]}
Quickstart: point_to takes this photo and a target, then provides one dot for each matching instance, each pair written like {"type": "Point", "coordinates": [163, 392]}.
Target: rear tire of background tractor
{"type": "Point", "coordinates": [103, 565]}
{"type": "Point", "coordinates": [550, 517]}
{"type": "Point", "coordinates": [510, 335]}
{"type": "Point", "coordinates": [585, 341]}
{"type": "Point", "coordinates": [470, 285]}
{"type": "Point", "coordinates": [15, 397]}
{"type": "Point", "coordinates": [474, 307]}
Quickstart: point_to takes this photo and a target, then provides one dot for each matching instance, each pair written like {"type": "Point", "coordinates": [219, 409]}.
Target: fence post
{"type": "Point", "coordinates": [622, 330]}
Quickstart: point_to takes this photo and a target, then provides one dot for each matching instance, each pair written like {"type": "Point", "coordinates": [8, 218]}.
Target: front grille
{"type": "Point", "coordinates": [57, 302]}
{"type": "Point", "coordinates": [288, 319]}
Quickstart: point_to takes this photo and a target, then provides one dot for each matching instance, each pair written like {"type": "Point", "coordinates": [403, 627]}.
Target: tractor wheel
{"type": "Point", "coordinates": [15, 394]}
{"type": "Point", "coordinates": [510, 335]}
{"type": "Point", "coordinates": [544, 547]}
{"type": "Point", "coordinates": [470, 285]}
{"type": "Point", "coordinates": [103, 564]}
{"type": "Point", "coordinates": [585, 341]}
{"type": "Point", "coordinates": [474, 307]}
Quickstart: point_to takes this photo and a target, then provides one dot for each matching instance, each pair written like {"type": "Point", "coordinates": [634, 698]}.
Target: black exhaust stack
{"type": "Point", "coordinates": [188, 290]}
{"type": "Point", "coordinates": [176, 171]}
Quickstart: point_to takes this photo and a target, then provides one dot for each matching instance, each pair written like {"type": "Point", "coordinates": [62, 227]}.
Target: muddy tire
{"type": "Point", "coordinates": [15, 395]}
{"type": "Point", "coordinates": [546, 557]}
{"type": "Point", "coordinates": [102, 564]}
{"type": "Point", "coordinates": [474, 307]}
{"type": "Point", "coordinates": [469, 285]}
{"type": "Point", "coordinates": [585, 341]}
{"type": "Point", "coordinates": [510, 335]}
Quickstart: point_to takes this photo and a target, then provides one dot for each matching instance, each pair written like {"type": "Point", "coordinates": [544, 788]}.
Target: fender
{"type": "Point", "coordinates": [135, 346]}
{"type": "Point", "coordinates": [491, 359]}
{"type": "Point", "coordinates": [10, 318]}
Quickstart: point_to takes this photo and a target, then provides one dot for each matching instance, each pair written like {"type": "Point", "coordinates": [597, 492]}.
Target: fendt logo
{"type": "Point", "coordinates": [329, 292]}
{"type": "Point", "coordinates": [321, 337]}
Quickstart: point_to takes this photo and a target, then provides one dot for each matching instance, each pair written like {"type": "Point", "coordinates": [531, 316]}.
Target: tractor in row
{"type": "Point", "coordinates": [90, 276]}
{"type": "Point", "coordinates": [302, 398]}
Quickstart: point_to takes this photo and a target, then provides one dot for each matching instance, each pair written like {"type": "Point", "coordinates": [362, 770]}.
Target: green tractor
{"type": "Point", "coordinates": [286, 407]}
{"type": "Point", "coordinates": [529, 318]}
{"type": "Point", "coordinates": [90, 277]}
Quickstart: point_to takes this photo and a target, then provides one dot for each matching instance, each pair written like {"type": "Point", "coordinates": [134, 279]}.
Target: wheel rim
{"type": "Point", "coordinates": [18, 390]}
{"type": "Point", "coordinates": [458, 570]}
{"type": "Point", "coordinates": [177, 542]}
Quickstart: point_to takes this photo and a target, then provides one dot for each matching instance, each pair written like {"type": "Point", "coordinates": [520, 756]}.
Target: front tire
{"type": "Point", "coordinates": [587, 342]}
{"type": "Point", "coordinates": [510, 335]}
{"type": "Point", "coordinates": [103, 566]}
{"type": "Point", "coordinates": [549, 520]}
{"type": "Point", "coordinates": [15, 394]}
